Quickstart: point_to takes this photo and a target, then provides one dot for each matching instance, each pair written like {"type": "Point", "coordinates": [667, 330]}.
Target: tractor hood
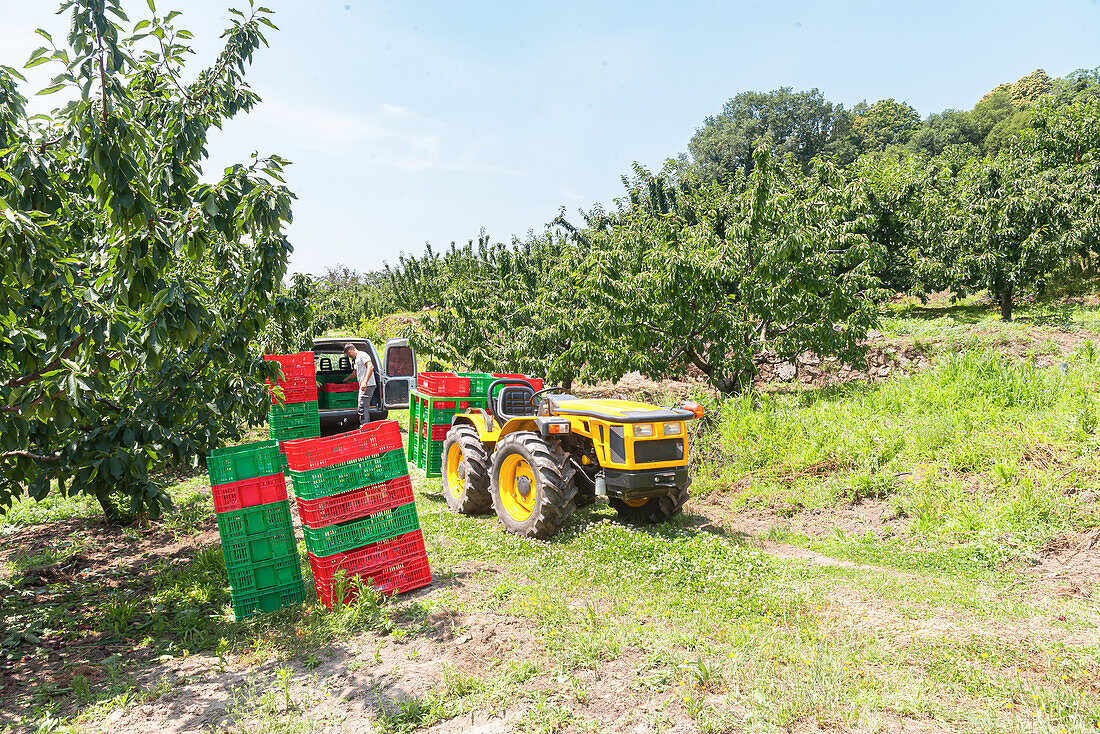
{"type": "Point", "coordinates": [616, 411]}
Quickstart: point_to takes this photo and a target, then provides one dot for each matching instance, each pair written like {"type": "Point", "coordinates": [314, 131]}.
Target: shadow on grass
{"type": "Point", "coordinates": [810, 396]}
{"type": "Point", "coordinates": [1058, 315]}
{"type": "Point", "coordinates": [102, 605]}
{"type": "Point", "coordinates": [959, 313]}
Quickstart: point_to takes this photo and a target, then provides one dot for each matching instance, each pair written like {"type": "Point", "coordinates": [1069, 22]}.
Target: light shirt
{"type": "Point", "coordinates": [361, 362]}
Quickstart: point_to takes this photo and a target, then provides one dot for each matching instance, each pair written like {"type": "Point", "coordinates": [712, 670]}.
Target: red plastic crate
{"type": "Point", "coordinates": [378, 437]}
{"type": "Point", "coordinates": [534, 382]}
{"type": "Point", "coordinates": [248, 492]}
{"type": "Point", "coordinates": [340, 386]}
{"type": "Point", "coordinates": [300, 382]}
{"type": "Point", "coordinates": [442, 383]}
{"type": "Point", "coordinates": [394, 565]}
{"type": "Point", "coordinates": [439, 433]}
{"type": "Point", "coordinates": [355, 504]}
{"type": "Point", "coordinates": [295, 366]}
{"type": "Point", "coordinates": [295, 392]}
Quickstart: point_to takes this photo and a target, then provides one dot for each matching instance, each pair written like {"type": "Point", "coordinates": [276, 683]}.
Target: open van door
{"type": "Point", "coordinates": [398, 373]}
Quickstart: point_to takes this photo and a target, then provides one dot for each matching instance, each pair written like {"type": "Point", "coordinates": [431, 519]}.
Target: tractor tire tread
{"type": "Point", "coordinates": [476, 498]}
{"type": "Point", "coordinates": [662, 510]}
{"type": "Point", "coordinates": [559, 492]}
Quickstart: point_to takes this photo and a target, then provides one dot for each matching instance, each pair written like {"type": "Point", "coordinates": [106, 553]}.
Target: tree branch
{"type": "Point", "coordinates": [52, 365]}
{"type": "Point", "coordinates": [102, 72]}
{"type": "Point", "coordinates": [36, 401]}
{"type": "Point", "coordinates": [29, 455]}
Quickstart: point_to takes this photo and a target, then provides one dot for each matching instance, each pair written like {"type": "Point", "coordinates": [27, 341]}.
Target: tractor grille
{"type": "Point", "coordinates": [661, 449]}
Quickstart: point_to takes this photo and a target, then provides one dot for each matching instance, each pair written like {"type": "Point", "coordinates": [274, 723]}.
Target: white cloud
{"type": "Point", "coordinates": [390, 136]}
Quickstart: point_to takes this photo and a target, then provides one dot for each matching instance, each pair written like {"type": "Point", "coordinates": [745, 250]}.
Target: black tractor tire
{"type": "Point", "coordinates": [555, 491]}
{"type": "Point", "coordinates": [472, 498]}
{"type": "Point", "coordinates": [586, 488]}
{"type": "Point", "coordinates": [655, 509]}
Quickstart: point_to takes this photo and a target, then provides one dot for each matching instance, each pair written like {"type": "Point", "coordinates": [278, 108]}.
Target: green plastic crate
{"type": "Point", "coordinates": [294, 420]}
{"type": "Point", "coordinates": [339, 400]}
{"type": "Point", "coordinates": [246, 461]}
{"type": "Point", "coordinates": [330, 480]}
{"type": "Point", "coordinates": [292, 415]}
{"type": "Point", "coordinates": [250, 550]}
{"type": "Point", "coordinates": [435, 411]}
{"type": "Point", "coordinates": [259, 577]}
{"type": "Point", "coordinates": [426, 455]}
{"type": "Point", "coordinates": [247, 603]}
{"type": "Point", "coordinates": [479, 383]}
{"type": "Point", "coordinates": [268, 520]}
{"type": "Point", "coordinates": [350, 535]}
{"type": "Point", "coordinates": [296, 433]}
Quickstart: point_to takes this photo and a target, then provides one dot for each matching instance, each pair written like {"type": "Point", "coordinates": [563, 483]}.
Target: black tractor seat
{"type": "Point", "coordinates": [510, 399]}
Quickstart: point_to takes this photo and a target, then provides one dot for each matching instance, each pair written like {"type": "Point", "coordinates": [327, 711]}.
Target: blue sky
{"type": "Point", "coordinates": [412, 122]}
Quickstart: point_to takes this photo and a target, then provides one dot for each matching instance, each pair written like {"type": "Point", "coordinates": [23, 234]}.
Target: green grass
{"type": "Point", "coordinates": [978, 460]}
{"type": "Point", "coordinates": [977, 446]}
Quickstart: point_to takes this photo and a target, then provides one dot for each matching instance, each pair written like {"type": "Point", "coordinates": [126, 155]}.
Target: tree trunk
{"type": "Point", "coordinates": [110, 510]}
{"type": "Point", "coordinates": [1005, 298]}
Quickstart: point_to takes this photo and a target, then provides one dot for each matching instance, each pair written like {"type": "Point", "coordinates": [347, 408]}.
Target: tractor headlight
{"type": "Point", "coordinates": [674, 429]}
{"type": "Point", "coordinates": [643, 430]}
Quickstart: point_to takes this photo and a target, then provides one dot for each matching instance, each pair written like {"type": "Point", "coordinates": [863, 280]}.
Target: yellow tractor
{"type": "Point", "coordinates": [534, 457]}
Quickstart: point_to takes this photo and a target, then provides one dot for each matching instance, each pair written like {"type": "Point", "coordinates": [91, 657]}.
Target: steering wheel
{"type": "Point", "coordinates": [535, 402]}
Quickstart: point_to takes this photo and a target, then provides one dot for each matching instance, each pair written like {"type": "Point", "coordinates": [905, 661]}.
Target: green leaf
{"type": "Point", "coordinates": [51, 89]}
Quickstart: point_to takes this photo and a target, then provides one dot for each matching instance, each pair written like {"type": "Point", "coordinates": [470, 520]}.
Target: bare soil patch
{"type": "Point", "coordinates": [850, 609]}
{"type": "Point", "coordinates": [1072, 562]}
{"type": "Point", "coordinates": [96, 562]}
{"type": "Point", "coordinates": [348, 685]}
{"type": "Point", "coordinates": [866, 516]}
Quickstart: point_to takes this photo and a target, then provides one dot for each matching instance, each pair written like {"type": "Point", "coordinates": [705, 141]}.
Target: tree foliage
{"type": "Point", "coordinates": [803, 124]}
{"type": "Point", "coordinates": [693, 277]}
{"type": "Point", "coordinates": [504, 308]}
{"type": "Point", "coordinates": [134, 290]}
{"type": "Point", "coordinates": [882, 124]}
{"type": "Point", "coordinates": [1009, 221]}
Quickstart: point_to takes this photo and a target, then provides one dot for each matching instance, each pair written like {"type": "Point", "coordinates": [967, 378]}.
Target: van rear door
{"type": "Point", "coordinates": [398, 373]}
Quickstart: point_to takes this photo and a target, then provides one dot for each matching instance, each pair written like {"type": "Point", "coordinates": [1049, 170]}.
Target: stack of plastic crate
{"type": "Point", "coordinates": [438, 398]}
{"type": "Point", "coordinates": [295, 415]}
{"type": "Point", "coordinates": [257, 534]}
{"type": "Point", "coordinates": [339, 395]}
{"type": "Point", "coordinates": [355, 501]}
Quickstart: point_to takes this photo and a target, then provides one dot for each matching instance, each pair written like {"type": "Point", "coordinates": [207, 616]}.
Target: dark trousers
{"type": "Point", "coordinates": [365, 396]}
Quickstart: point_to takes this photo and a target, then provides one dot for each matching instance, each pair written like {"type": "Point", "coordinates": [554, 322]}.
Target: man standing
{"type": "Point", "coordinates": [364, 373]}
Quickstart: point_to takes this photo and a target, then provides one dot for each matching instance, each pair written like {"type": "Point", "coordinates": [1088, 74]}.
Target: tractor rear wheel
{"type": "Point", "coordinates": [532, 485]}
{"type": "Point", "coordinates": [652, 509]}
{"type": "Point", "coordinates": [466, 472]}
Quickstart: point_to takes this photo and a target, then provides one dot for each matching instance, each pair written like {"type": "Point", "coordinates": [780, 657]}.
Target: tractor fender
{"type": "Point", "coordinates": [487, 431]}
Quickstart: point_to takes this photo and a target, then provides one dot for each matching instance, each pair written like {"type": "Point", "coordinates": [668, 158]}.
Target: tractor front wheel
{"type": "Point", "coordinates": [466, 472]}
{"type": "Point", "coordinates": [652, 509]}
{"type": "Point", "coordinates": [532, 485]}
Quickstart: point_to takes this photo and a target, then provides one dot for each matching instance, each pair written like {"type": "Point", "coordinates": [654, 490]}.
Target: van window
{"type": "Point", "coordinates": [399, 362]}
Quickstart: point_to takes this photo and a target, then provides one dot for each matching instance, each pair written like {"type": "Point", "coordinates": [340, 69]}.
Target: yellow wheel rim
{"type": "Point", "coordinates": [515, 477]}
{"type": "Point", "coordinates": [636, 503]}
{"type": "Point", "coordinates": [454, 482]}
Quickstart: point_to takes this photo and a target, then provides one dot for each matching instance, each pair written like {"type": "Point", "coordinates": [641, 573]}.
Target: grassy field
{"type": "Point", "coordinates": [915, 555]}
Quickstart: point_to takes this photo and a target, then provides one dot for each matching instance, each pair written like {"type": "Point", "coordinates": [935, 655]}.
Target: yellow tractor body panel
{"type": "Point", "coordinates": [626, 435]}
{"type": "Point", "coordinates": [553, 450]}
{"type": "Point", "coordinates": [611, 410]}
{"type": "Point", "coordinates": [486, 427]}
